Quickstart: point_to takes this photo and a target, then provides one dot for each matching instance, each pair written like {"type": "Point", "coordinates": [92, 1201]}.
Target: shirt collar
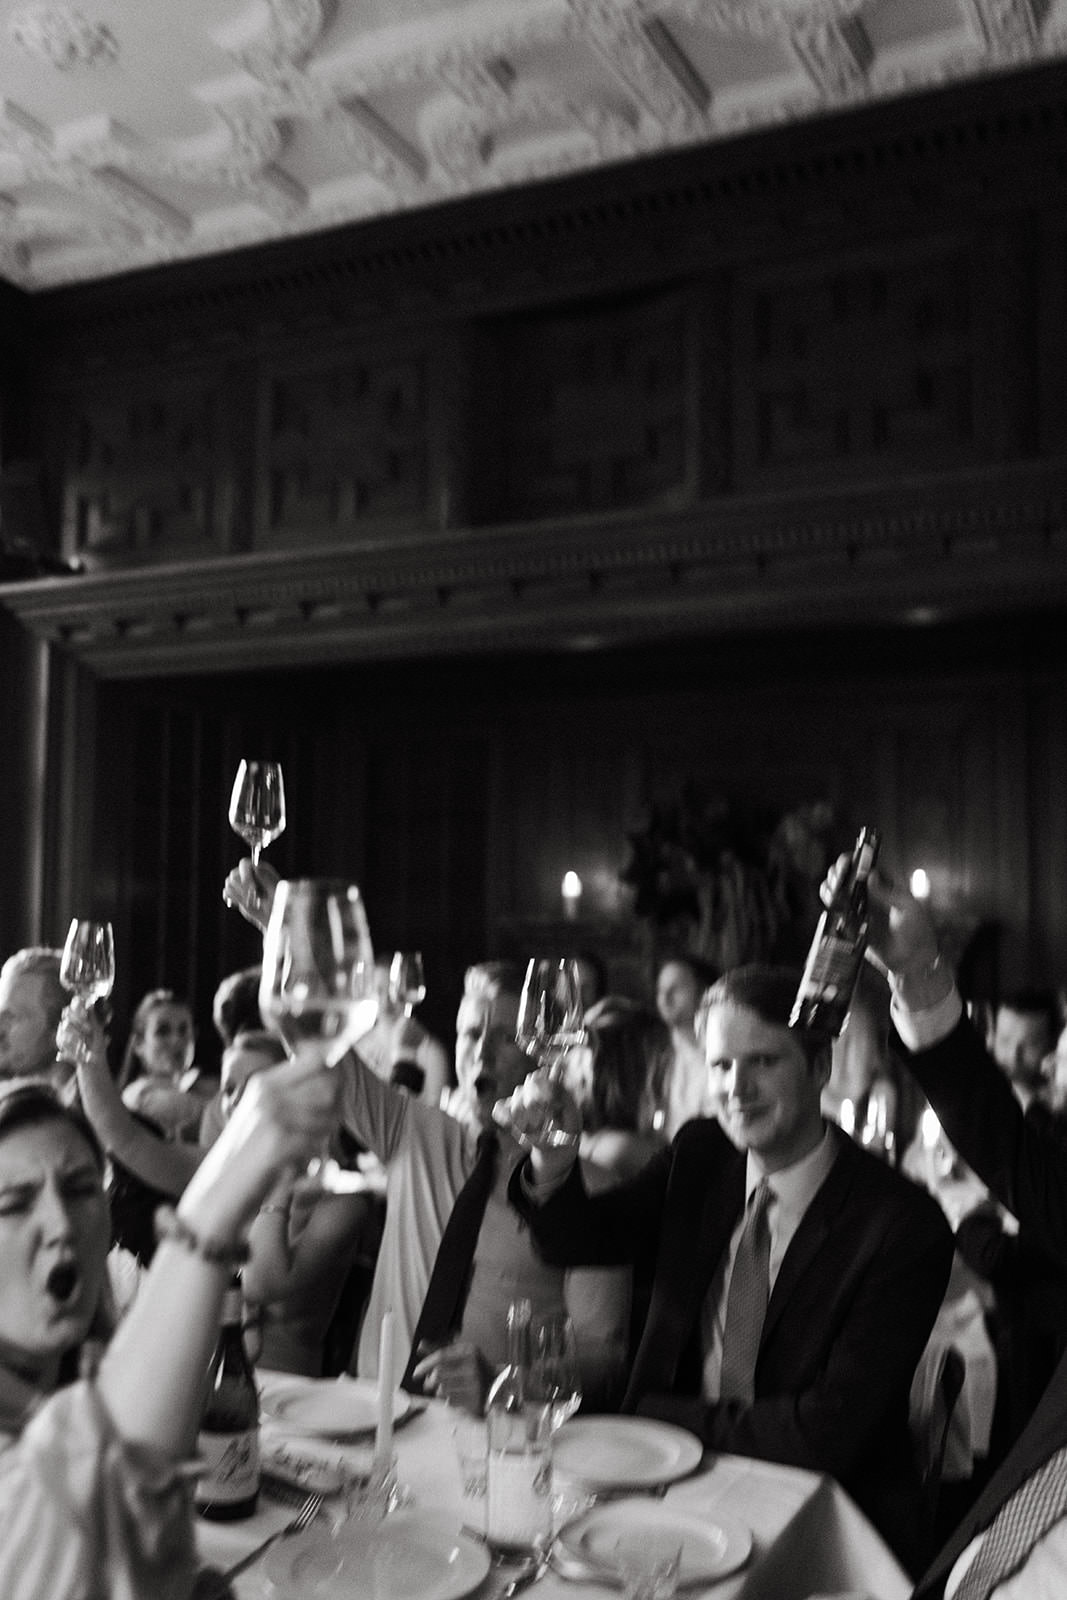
{"type": "Point", "coordinates": [795, 1187]}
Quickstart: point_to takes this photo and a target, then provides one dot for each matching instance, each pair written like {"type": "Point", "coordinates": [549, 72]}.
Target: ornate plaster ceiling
{"type": "Point", "coordinates": [138, 132]}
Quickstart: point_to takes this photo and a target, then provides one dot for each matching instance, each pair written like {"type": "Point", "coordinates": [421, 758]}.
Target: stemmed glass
{"type": "Point", "coordinates": [549, 1024]}
{"type": "Point", "coordinates": [317, 980]}
{"type": "Point", "coordinates": [407, 980]}
{"type": "Point", "coordinates": [257, 804]}
{"type": "Point", "coordinates": [554, 1374]}
{"type": "Point", "coordinates": [87, 966]}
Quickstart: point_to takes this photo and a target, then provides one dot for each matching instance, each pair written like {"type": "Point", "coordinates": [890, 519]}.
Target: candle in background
{"type": "Point", "coordinates": [571, 890]}
{"type": "Point", "coordinates": [383, 1439]}
{"type": "Point", "coordinates": [846, 1117]}
{"type": "Point", "coordinates": [920, 884]}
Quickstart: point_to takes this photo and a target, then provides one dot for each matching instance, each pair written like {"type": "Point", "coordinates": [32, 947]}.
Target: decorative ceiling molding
{"type": "Point", "coordinates": [175, 132]}
{"type": "Point", "coordinates": [921, 551]}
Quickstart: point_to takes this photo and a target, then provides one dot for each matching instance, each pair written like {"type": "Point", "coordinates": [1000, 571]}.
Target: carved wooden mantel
{"type": "Point", "coordinates": [920, 551]}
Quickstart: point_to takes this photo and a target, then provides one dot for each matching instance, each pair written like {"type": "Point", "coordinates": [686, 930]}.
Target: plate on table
{"type": "Point", "coordinates": [606, 1453]}
{"type": "Point", "coordinates": [412, 1555]}
{"type": "Point", "coordinates": [331, 1408]}
{"type": "Point", "coordinates": [711, 1547]}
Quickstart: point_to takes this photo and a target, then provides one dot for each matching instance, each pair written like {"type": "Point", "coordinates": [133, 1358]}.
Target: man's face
{"type": "Point", "coordinates": [489, 1064]}
{"type": "Point", "coordinates": [1021, 1041]}
{"type": "Point", "coordinates": [27, 1026]}
{"type": "Point", "coordinates": [770, 1094]}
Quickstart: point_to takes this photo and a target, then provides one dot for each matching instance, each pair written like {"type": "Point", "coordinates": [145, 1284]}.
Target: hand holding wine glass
{"type": "Point", "coordinates": [317, 989]}
{"type": "Point", "coordinates": [257, 804]}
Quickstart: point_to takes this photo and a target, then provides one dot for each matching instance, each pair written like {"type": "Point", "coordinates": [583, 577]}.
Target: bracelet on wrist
{"type": "Point", "coordinates": [169, 1225]}
{"type": "Point", "coordinates": [273, 1206]}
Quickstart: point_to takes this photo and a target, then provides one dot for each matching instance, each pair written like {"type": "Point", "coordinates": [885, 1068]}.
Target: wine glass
{"type": "Point", "coordinates": [317, 981]}
{"type": "Point", "coordinates": [407, 980]}
{"type": "Point", "coordinates": [257, 804]}
{"type": "Point", "coordinates": [87, 966]}
{"type": "Point", "coordinates": [554, 1373]}
{"type": "Point", "coordinates": [549, 1024]}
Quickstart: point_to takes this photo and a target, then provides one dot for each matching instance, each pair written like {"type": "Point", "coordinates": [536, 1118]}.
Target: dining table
{"type": "Point", "coordinates": [792, 1533]}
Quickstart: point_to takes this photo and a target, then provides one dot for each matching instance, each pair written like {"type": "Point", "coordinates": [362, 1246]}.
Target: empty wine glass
{"type": "Point", "coordinates": [407, 980]}
{"type": "Point", "coordinates": [549, 1025]}
{"type": "Point", "coordinates": [317, 981]}
{"type": "Point", "coordinates": [257, 804]}
{"type": "Point", "coordinates": [87, 966]}
{"type": "Point", "coordinates": [554, 1373]}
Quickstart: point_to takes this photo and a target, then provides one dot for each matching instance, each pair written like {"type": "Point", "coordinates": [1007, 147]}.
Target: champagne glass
{"type": "Point", "coordinates": [407, 980]}
{"type": "Point", "coordinates": [317, 980]}
{"type": "Point", "coordinates": [257, 804]}
{"type": "Point", "coordinates": [87, 966]}
{"type": "Point", "coordinates": [554, 1374]}
{"type": "Point", "coordinates": [549, 1023]}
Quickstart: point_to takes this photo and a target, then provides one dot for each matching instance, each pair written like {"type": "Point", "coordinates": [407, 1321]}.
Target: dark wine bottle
{"type": "Point", "coordinates": [833, 964]}
{"type": "Point", "coordinates": [228, 1487]}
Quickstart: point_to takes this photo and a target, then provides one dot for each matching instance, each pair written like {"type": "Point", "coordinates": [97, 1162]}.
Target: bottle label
{"type": "Point", "coordinates": [831, 968]}
{"type": "Point", "coordinates": [519, 1501]}
{"type": "Point", "coordinates": [231, 1467]}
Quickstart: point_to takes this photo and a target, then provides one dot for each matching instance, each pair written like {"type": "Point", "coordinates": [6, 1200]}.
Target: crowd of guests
{"type": "Point", "coordinates": [729, 1210]}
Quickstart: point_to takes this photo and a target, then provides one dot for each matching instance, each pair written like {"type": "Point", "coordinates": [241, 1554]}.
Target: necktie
{"type": "Point", "coordinates": [746, 1304]}
{"type": "Point", "coordinates": [1023, 1519]}
{"type": "Point", "coordinates": [446, 1293]}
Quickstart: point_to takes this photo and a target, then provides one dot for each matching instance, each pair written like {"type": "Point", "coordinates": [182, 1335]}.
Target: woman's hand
{"type": "Point", "coordinates": [250, 890]}
{"type": "Point", "coordinates": [544, 1117]}
{"type": "Point", "coordinates": [81, 1038]}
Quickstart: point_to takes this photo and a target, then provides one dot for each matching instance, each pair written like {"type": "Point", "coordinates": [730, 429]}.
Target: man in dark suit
{"type": "Point", "coordinates": [1013, 1541]}
{"type": "Point", "coordinates": [849, 1277]}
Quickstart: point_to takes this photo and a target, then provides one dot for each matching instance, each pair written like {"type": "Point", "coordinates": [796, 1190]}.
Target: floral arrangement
{"type": "Point", "coordinates": [730, 883]}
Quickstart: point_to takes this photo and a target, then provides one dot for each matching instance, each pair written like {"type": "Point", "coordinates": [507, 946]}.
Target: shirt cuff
{"type": "Point", "coordinates": [536, 1192]}
{"type": "Point", "coordinates": [921, 1029]}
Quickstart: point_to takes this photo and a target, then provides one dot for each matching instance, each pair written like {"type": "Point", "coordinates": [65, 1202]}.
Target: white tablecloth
{"type": "Point", "coordinates": [808, 1537]}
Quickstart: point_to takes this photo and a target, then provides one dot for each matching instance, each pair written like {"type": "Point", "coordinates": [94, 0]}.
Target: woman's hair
{"type": "Point", "coordinates": [134, 1203]}
{"type": "Point", "coordinates": [769, 992]}
{"type": "Point", "coordinates": [25, 1102]}
{"type": "Point", "coordinates": [623, 1037]}
{"type": "Point", "coordinates": [132, 1064]}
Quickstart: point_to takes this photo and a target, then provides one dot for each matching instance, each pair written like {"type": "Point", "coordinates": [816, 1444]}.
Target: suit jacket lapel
{"type": "Point", "coordinates": [810, 1237]}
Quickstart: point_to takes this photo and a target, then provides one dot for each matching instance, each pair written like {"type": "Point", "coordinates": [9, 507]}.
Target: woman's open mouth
{"type": "Point", "coordinates": [62, 1282]}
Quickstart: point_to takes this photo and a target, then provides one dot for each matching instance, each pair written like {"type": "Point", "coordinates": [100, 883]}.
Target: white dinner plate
{"type": "Point", "coordinates": [624, 1452]}
{"type": "Point", "coordinates": [331, 1408]}
{"type": "Point", "coordinates": [711, 1547]}
{"type": "Point", "coordinates": [412, 1555]}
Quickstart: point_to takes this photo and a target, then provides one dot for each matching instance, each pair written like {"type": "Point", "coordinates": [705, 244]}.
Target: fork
{"type": "Point", "coordinates": [309, 1510]}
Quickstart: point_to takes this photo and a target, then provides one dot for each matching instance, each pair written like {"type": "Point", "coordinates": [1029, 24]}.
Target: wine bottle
{"type": "Point", "coordinates": [228, 1487]}
{"type": "Point", "coordinates": [519, 1465]}
{"type": "Point", "coordinates": [833, 964]}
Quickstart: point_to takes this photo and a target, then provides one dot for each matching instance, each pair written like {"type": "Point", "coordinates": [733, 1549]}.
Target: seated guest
{"type": "Point", "coordinates": [94, 1467]}
{"type": "Point", "coordinates": [679, 1085]}
{"type": "Point", "coordinates": [795, 1277]}
{"type": "Point", "coordinates": [1023, 1035]}
{"type": "Point", "coordinates": [1012, 1544]}
{"type": "Point", "coordinates": [158, 1076]}
{"type": "Point", "coordinates": [31, 1004]}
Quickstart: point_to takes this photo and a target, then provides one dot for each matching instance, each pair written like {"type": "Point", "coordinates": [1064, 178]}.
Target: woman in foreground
{"type": "Point", "coordinates": [94, 1473]}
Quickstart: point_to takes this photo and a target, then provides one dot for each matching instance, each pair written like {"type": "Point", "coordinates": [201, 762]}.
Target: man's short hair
{"type": "Point", "coordinates": [39, 961]}
{"type": "Point", "coordinates": [1034, 1003]}
{"type": "Point", "coordinates": [769, 992]}
{"type": "Point", "coordinates": [235, 1008]}
{"type": "Point", "coordinates": [488, 979]}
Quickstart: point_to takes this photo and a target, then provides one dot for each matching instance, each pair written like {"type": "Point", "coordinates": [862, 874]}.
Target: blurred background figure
{"type": "Point", "coordinates": [679, 1086]}
{"type": "Point", "coordinates": [1025, 1025]}
{"type": "Point", "coordinates": [158, 1076]}
{"type": "Point", "coordinates": [31, 1004]}
{"type": "Point", "coordinates": [399, 1040]}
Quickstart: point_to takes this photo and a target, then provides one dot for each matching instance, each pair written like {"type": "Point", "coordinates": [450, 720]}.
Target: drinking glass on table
{"type": "Point", "coordinates": [554, 1374]}
{"type": "Point", "coordinates": [257, 804]}
{"type": "Point", "coordinates": [407, 980]}
{"type": "Point", "coordinates": [317, 983]}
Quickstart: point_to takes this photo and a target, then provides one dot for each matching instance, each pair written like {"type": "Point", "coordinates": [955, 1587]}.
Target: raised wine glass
{"type": "Point", "coordinates": [549, 1025]}
{"type": "Point", "coordinates": [407, 980]}
{"type": "Point", "coordinates": [87, 966]}
{"type": "Point", "coordinates": [317, 983]}
{"type": "Point", "coordinates": [257, 804]}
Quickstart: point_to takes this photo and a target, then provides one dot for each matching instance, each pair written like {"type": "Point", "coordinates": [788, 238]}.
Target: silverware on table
{"type": "Point", "coordinates": [310, 1507]}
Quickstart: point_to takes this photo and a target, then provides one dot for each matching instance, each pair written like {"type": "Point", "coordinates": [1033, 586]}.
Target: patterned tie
{"type": "Point", "coordinates": [1023, 1519]}
{"type": "Point", "coordinates": [746, 1304]}
{"type": "Point", "coordinates": [446, 1293]}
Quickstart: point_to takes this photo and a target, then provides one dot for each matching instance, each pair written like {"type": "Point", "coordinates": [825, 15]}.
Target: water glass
{"type": "Point", "coordinates": [471, 1444]}
{"type": "Point", "coordinates": [646, 1569]}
